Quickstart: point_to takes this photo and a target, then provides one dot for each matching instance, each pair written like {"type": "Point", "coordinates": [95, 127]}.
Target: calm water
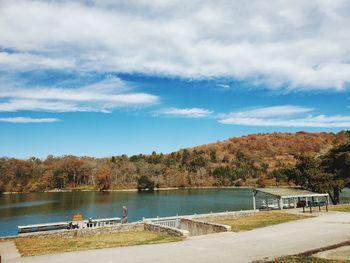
{"type": "Point", "coordinates": [21, 209]}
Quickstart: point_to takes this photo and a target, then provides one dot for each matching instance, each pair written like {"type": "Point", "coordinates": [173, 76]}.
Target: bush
{"type": "Point", "coordinates": [144, 183]}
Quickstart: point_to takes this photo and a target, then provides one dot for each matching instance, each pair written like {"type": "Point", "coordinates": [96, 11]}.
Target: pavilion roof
{"type": "Point", "coordinates": [288, 192]}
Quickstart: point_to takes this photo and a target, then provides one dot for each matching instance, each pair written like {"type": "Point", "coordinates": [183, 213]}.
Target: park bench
{"type": "Point", "coordinates": [312, 204]}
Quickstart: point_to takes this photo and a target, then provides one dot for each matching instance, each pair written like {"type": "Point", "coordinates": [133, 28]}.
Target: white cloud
{"type": "Point", "coordinates": [264, 112]}
{"type": "Point", "coordinates": [223, 86]}
{"type": "Point", "coordinates": [28, 120]}
{"type": "Point", "coordinates": [27, 61]}
{"type": "Point", "coordinates": [186, 112]}
{"type": "Point", "coordinates": [284, 116]}
{"type": "Point", "coordinates": [40, 105]}
{"type": "Point", "coordinates": [294, 44]}
{"type": "Point", "coordinates": [103, 96]}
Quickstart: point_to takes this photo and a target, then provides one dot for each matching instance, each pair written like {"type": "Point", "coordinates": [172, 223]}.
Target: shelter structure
{"type": "Point", "coordinates": [287, 197]}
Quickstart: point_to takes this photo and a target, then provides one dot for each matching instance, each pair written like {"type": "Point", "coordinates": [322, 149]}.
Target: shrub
{"type": "Point", "coordinates": [145, 183]}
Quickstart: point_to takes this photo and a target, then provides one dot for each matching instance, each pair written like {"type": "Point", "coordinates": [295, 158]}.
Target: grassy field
{"type": "Point", "coordinates": [260, 219]}
{"type": "Point", "coordinates": [32, 246]}
{"type": "Point", "coordinates": [339, 208]}
{"type": "Point", "coordinates": [307, 260]}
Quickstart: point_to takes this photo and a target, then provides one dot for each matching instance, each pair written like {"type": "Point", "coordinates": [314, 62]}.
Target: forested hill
{"type": "Point", "coordinates": [248, 160]}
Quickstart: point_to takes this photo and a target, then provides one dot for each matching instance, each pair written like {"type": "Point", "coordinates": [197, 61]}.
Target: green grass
{"type": "Point", "coordinates": [33, 246]}
{"type": "Point", "coordinates": [295, 259]}
{"type": "Point", "coordinates": [261, 219]}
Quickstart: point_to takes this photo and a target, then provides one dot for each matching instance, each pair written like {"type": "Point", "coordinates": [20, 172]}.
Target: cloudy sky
{"type": "Point", "coordinates": [103, 77]}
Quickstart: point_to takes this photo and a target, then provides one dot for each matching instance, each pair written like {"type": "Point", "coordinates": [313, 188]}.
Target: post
{"type": "Point", "coordinates": [295, 203]}
{"type": "Point", "coordinates": [254, 204]}
{"type": "Point", "coordinates": [281, 203]}
{"type": "Point", "coordinates": [328, 199]}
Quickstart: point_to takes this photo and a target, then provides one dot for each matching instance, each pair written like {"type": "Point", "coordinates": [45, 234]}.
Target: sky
{"type": "Point", "coordinates": [102, 77]}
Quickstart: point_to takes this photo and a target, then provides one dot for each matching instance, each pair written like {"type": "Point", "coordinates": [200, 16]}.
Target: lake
{"type": "Point", "coordinates": [32, 208]}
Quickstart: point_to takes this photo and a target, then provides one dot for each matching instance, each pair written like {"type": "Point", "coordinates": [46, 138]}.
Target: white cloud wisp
{"type": "Point", "coordinates": [186, 112]}
{"type": "Point", "coordinates": [28, 120]}
{"type": "Point", "coordinates": [103, 96]}
{"type": "Point", "coordinates": [284, 116]}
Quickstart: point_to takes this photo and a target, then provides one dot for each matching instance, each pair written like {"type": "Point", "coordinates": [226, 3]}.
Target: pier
{"type": "Point", "coordinates": [81, 224]}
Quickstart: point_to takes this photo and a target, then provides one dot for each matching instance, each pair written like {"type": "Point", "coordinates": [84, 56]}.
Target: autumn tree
{"type": "Point", "coordinates": [238, 161]}
{"type": "Point", "coordinates": [104, 178]}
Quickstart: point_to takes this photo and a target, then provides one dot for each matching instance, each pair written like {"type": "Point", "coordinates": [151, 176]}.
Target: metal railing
{"type": "Point", "coordinates": [175, 223]}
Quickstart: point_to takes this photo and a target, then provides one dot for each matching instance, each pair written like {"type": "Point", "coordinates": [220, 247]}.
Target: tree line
{"type": "Point", "coordinates": [254, 160]}
{"type": "Point", "coordinates": [182, 169]}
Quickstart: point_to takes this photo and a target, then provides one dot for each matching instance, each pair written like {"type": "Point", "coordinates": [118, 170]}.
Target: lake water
{"type": "Point", "coordinates": [33, 208]}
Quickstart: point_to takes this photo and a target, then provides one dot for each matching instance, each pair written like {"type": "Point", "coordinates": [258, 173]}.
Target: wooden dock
{"type": "Point", "coordinates": [91, 223]}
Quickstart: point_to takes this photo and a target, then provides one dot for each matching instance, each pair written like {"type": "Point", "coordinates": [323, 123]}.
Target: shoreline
{"type": "Point", "coordinates": [130, 189]}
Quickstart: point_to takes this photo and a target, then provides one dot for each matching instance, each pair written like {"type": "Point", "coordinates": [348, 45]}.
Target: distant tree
{"type": "Point", "coordinates": [185, 157]}
{"type": "Point", "coordinates": [264, 167]}
{"type": "Point", "coordinates": [337, 163]}
{"type": "Point", "coordinates": [318, 175]}
{"type": "Point", "coordinates": [212, 155]}
{"type": "Point", "coordinates": [279, 175]}
{"type": "Point", "coordinates": [225, 175]}
{"type": "Point", "coordinates": [145, 183]}
{"type": "Point", "coordinates": [261, 182]}
{"type": "Point", "coordinates": [155, 158]}
{"type": "Point", "coordinates": [197, 161]}
{"type": "Point", "coordinates": [2, 187]}
{"type": "Point", "coordinates": [104, 178]}
{"type": "Point", "coordinates": [243, 160]}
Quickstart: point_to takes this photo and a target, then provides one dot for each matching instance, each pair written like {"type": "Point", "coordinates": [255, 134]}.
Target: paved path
{"type": "Point", "coordinates": [283, 239]}
{"type": "Point", "coordinates": [341, 253]}
{"type": "Point", "coordinates": [8, 251]}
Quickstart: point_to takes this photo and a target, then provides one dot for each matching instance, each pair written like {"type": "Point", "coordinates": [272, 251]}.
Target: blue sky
{"type": "Point", "coordinates": [104, 78]}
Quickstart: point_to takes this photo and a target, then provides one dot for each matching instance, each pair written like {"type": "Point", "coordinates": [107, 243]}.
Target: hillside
{"type": "Point", "coordinates": [248, 160]}
{"type": "Point", "coordinates": [276, 149]}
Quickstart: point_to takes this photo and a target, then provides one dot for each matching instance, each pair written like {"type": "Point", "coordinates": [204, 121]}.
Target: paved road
{"type": "Point", "coordinates": [269, 242]}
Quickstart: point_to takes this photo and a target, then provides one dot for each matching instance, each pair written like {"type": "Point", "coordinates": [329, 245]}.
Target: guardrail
{"type": "Point", "coordinates": [195, 216]}
{"type": "Point", "coordinates": [175, 223]}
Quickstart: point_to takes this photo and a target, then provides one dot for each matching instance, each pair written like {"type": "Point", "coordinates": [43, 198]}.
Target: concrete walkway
{"type": "Point", "coordinates": [8, 251]}
{"type": "Point", "coordinates": [340, 253]}
{"type": "Point", "coordinates": [269, 242]}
